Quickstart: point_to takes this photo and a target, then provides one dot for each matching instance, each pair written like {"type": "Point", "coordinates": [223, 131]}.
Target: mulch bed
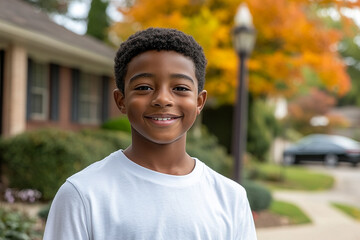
{"type": "Point", "coordinates": [268, 219]}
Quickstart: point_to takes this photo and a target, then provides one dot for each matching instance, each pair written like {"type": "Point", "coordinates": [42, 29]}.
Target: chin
{"type": "Point", "coordinates": [166, 140]}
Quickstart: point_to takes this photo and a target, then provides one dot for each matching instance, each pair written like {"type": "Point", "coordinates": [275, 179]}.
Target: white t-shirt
{"type": "Point", "coordinates": [117, 199]}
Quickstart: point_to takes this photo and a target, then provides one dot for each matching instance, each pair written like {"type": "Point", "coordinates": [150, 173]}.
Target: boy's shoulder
{"type": "Point", "coordinates": [223, 183]}
{"type": "Point", "coordinates": [97, 170]}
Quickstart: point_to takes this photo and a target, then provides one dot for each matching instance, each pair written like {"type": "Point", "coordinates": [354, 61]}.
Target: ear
{"type": "Point", "coordinates": [120, 100]}
{"type": "Point", "coordinates": [201, 99]}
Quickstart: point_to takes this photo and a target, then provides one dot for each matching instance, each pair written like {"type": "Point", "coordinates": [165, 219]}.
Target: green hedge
{"type": "Point", "coordinates": [43, 159]}
{"type": "Point", "coordinates": [118, 124]}
{"type": "Point", "coordinates": [113, 140]}
{"type": "Point", "coordinates": [206, 148]}
{"type": "Point", "coordinates": [259, 197]}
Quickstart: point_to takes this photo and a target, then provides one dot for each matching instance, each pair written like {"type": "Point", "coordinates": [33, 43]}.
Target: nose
{"type": "Point", "coordinates": [162, 98]}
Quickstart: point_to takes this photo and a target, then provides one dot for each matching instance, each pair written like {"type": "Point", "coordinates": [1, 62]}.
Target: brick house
{"type": "Point", "coordinates": [50, 76]}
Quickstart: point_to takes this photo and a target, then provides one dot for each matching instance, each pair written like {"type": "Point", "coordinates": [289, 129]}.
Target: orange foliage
{"type": "Point", "coordinates": [290, 37]}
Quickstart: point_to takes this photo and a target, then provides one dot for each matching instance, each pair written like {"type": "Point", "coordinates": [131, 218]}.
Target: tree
{"type": "Point", "coordinates": [349, 48]}
{"type": "Point", "coordinates": [305, 110]}
{"type": "Point", "coordinates": [351, 52]}
{"type": "Point", "coordinates": [291, 38]}
{"type": "Point", "coordinates": [98, 21]}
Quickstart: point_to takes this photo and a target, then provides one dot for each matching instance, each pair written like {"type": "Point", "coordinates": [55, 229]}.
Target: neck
{"type": "Point", "coordinates": [165, 158]}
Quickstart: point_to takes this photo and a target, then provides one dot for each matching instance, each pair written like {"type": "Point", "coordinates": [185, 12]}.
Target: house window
{"type": "Point", "coordinates": [38, 90]}
{"type": "Point", "coordinates": [89, 99]}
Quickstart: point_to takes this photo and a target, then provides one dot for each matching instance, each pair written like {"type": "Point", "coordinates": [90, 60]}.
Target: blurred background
{"type": "Point", "coordinates": [57, 114]}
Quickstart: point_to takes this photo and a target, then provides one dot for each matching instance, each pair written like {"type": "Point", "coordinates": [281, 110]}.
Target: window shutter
{"type": "Point", "coordinates": [105, 99]}
{"type": "Point", "coordinates": [54, 92]}
{"type": "Point", "coordinates": [29, 84]}
{"type": "Point", "coordinates": [75, 95]}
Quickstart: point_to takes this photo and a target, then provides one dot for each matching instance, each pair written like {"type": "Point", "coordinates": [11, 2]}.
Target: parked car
{"type": "Point", "coordinates": [331, 149]}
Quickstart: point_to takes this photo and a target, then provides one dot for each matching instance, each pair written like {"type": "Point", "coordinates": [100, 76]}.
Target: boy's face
{"type": "Point", "coordinates": [161, 96]}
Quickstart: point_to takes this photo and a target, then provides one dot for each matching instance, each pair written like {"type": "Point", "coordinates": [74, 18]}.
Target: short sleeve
{"type": "Point", "coordinates": [246, 230]}
{"type": "Point", "coordinates": [67, 217]}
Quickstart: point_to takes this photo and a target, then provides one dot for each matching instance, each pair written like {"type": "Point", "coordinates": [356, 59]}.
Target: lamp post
{"type": "Point", "coordinates": [244, 40]}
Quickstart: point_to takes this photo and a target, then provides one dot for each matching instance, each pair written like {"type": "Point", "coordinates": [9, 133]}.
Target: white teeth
{"type": "Point", "coordinates": [162, 119]}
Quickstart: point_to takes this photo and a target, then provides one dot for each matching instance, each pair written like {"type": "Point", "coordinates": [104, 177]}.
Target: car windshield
{"type": "Point", "coordinates": [346, 142]}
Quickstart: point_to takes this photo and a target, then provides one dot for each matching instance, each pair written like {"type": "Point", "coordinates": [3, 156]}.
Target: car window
{"type": "Point", "coordinates": [317, 141]}
{"type": "Point", "coordinates": [322, 146]}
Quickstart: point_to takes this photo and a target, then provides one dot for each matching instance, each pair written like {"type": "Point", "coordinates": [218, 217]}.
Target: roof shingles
{"type": "Point", "coordinates": [23, 15]}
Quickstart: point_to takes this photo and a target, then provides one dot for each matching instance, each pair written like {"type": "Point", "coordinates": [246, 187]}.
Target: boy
{"type": "Point", "coordinates": [153, 189]}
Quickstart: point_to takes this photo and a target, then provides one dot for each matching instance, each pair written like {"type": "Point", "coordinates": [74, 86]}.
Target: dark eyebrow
{"type": "Point", "coordinates": [180, 75]}
{"type": "Point", "coordinates": [150, 75]}
{"type": "Point", "coordinates": [141, 75]}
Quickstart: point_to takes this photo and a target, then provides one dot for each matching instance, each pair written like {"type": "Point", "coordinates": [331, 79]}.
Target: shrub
{"type": "Point", "coordinates": [259, 197]}
{"type": "Point", "coordinates": [17, 226]}
{"type": "Point", "coordinates": [206, 148]}
{"type": "Point", "coordinates": [119, 124]}
{"type": "Point", "coordinates": [43, 159]}
{"type": "Point", "coordinates": [114, 139]}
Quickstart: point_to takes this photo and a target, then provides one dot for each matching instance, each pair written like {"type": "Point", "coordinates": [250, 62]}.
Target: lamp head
{"type": "Point", "coordinates": [244, 32]}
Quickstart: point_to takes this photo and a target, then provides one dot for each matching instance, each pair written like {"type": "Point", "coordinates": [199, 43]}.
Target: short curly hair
{"type": "Point", "coordinates": [160, 39]}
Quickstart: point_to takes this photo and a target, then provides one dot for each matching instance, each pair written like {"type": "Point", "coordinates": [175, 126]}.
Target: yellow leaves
{"type": "Point", "coordinates": [258, 85]}
{"type": "Point", "coordinates": [254, 64]}
{"type": "Point", "coordinates": [172, 20]}
{"type": "Point", "coordinates": [203, 27]}
{"type": "Point", "coordinates": [223, 58]}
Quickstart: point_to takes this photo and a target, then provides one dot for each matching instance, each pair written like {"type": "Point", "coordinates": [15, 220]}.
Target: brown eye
{"type": "Point", "coordinates": [181, 89]}
{"type": "Point", "coordinates": [143, 88]}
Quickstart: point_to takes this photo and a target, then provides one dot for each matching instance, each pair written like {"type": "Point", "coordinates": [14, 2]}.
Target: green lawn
{"type": "Point", "coordinates": [352, 211]}
{"type": "Point", "coordinates": [291, 177]}
{"type": "Point", "coordinates": [289, 210]}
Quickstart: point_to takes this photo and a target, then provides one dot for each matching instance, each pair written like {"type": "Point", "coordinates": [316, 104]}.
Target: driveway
{"type": "Point", "coordinates": [328, 223]}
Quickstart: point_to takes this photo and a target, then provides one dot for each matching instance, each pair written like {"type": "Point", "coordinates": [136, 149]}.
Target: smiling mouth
{"type": "Point", "coordinates": [162, 118]}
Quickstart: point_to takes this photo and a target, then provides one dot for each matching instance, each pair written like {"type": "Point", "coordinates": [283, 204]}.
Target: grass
{"type": "Point", "coordinates": [352, 211]}
{"type": "Point", "coordinates": [292, 177]}
{"type": "Point", "coordinates": [291, 211]}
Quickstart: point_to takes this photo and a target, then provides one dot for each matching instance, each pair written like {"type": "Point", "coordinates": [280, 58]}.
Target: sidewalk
{"type": "Point", "coordinates": [328, 223]}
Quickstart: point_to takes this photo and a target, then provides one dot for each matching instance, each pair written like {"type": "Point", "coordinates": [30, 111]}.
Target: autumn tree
{"type": "Point", "coordinates": [312, 113]}
{"type": "Point", "coordinates": [295, 49]}
{"type": "Point", "coordinates": [291, 41]}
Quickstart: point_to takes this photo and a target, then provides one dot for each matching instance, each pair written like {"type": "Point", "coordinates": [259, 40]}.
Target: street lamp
{"type": "Point", "coordinates": [244, 39]}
